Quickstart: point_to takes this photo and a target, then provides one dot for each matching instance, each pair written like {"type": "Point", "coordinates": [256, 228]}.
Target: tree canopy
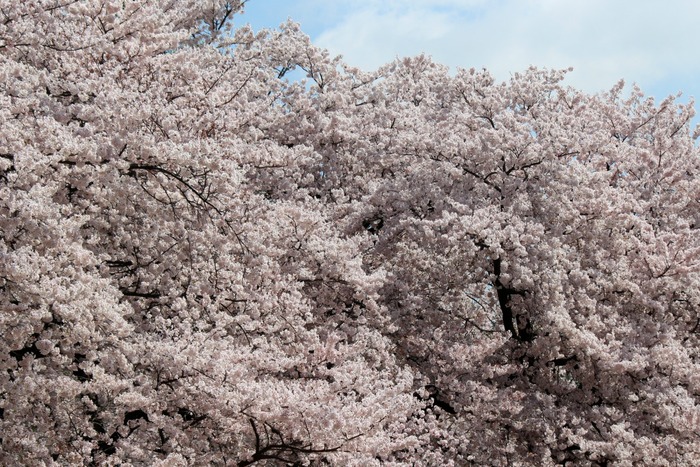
{"type": "Point", "coordinates": [203, 262]}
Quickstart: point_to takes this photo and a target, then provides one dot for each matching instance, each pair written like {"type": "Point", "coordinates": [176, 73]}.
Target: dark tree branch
{"type": "Point", "coordinates": [504, 295]}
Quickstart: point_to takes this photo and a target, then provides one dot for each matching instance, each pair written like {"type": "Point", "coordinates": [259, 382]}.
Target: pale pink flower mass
{"type": "Point", "coordinates": [204, 262]}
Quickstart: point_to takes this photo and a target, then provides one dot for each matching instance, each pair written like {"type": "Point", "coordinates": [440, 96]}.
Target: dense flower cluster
{"type": "Point", "coordinates": [203, 262]}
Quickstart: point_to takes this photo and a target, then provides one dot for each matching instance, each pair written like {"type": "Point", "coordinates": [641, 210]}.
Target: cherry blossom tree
{"type": "Point", "coordinates": [207, 263]}
{"type": "Point", "coordinates": [541, 250]}
{"type": "Point", "coordinates": [159, 301]}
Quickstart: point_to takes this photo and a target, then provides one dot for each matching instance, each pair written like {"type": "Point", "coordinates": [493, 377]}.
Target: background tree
{"type": "Point", "coordinates": [541, 250]}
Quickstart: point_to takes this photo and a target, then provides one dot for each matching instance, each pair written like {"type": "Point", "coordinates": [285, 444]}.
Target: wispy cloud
{"type": "Point", "coordinates": [645, 41]}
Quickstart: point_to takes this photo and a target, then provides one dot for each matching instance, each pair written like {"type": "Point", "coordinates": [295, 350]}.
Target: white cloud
{"type": "Point", "coordinates": [643, 41]}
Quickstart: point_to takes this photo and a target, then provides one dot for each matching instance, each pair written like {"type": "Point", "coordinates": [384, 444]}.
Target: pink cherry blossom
{"type": "Point", "coordinates": [205, 262]}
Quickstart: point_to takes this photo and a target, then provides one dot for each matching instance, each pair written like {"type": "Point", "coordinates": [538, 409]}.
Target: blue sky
{"type": "Point", "coordinates": [650, 42]}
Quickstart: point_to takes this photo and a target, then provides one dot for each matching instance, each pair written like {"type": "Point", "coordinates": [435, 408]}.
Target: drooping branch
{"type": "Point", "coordinates": [276, 451]}
{"type": "Point", "coordinates": [198, 193]}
